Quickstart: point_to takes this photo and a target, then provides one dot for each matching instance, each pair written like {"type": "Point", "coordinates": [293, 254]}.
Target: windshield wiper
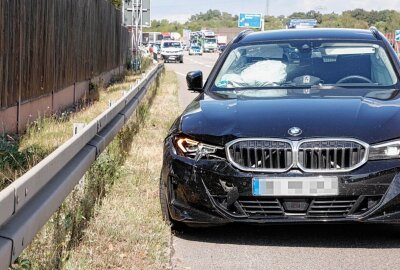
{"type": "Point", "coordinates": [312, 86]}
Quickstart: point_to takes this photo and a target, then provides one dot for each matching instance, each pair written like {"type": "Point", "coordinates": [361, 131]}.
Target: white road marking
{"type": "Point", "coordinates": [199, 63]}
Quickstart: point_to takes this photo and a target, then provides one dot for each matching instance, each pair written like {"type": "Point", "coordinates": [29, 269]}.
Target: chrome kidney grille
{"type": "Point", "coordinates": [330, 155]}
{"type": "Point", "coordinates": [261, 155]}
{"type": "Point", "coordinates": [311, 155]}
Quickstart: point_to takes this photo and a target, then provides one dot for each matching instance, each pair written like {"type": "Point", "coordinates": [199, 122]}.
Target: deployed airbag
{"type": "Point", "coordinates": [262, 73]}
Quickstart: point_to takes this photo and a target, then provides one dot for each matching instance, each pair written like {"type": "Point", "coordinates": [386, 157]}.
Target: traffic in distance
{"type": "Point", "coordinates": [170, 47]}
{"type": "Point", "coordinates": [292, 126]}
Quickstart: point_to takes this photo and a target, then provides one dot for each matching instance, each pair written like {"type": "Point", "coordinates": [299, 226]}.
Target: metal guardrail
{"type": "Point", "coordinates": [29, 202]}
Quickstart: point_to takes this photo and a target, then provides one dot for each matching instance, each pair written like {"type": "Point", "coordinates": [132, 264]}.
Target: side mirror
{"type": "Point", "coordinates": [194, 81]}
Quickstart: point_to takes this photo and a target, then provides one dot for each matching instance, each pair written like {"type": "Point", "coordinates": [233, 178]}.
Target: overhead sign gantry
{"type": "Point", "coordinates": [136, 15]}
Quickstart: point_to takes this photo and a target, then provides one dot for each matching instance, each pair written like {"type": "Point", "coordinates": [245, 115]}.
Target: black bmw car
{"type": "Point", "coordinates": [292, 126]}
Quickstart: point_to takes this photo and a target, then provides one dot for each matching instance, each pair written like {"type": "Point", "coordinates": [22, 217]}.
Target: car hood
{"type": "Point", "coordinates": [172, 49]}
{"type": "Point", "coordinates": [220, 120]}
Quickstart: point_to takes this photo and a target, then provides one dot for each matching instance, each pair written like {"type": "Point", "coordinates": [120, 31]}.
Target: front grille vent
{"type": "Point", "coordinates": [262, 155]}
{"type": "Point", "coordinates": [330, 208]}
{"type": "Point", "coordinates": [261, 207]}
{"type": "Point", "coordinates": [330, 155]}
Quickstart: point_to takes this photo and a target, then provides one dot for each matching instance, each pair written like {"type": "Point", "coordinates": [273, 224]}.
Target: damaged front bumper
{"type": "Point", "coordinates": [212, 192]}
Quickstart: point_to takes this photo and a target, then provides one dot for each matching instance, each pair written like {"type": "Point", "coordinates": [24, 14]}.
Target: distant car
{"type": "Point", "coordinates": [290, 127]}
{"type": "Point", "coordinates": [171, 51]}
{"type": "Point", "coordinates": [195, 50]}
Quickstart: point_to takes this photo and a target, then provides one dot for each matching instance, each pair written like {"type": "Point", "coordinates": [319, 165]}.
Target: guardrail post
{"type": "Point", "coordinates": [78, 127]}
{"type": "Point", "coordinates": [111, 103]}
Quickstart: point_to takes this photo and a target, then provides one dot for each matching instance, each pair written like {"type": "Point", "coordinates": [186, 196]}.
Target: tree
{"type": "Point", "coordinates": [272, 23]}
{"type": "Point", "coordinates": [385, 20]}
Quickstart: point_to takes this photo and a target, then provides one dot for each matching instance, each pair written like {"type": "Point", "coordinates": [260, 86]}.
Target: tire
{"type": "Point", "coordinates": [175, 225]}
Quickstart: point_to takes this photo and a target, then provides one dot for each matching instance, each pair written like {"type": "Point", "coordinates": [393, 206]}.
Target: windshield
{"type": "Point", "coordinates": [210, 41]}
{"type": "Point", "coordinates": [307, 63]}
{"type": "Point", "coordinates": [171, 45]}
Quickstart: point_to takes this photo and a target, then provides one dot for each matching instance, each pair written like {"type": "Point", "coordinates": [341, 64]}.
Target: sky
{"type": "Point", "coordinates": [181, 10]}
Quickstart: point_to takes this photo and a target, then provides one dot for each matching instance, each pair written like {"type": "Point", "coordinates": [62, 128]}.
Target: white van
{"type": "Point", "coordinates": [172, 51]}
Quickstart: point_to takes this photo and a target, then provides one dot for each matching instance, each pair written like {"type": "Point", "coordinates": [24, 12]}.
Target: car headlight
{"type": "Point", "coordinates": [389, 150]}
{"type": "Point", "coordinates": [196, 150]}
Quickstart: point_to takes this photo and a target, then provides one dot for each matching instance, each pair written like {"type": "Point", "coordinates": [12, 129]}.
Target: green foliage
{"type": "Point", "coordinates": [210, 19]}
{"type": "Point", "coordinates": [14, 162]}
{"type": "Point", "coordinates": [384, 20]}
{"type": "Point", "coordinates": [117, 3]}
{"type": "Point", "coordinates": [272, 23]}
{"type": "Point", "coordinates": [21, 264]}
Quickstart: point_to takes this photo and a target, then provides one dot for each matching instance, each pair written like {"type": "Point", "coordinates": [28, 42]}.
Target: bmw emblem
{"type": "Point", "coordinates": [295, 131]}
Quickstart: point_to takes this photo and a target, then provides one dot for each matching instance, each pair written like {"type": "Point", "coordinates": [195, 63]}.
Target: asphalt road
{"type": "Point", "coordinates": [191, 63]}
{"type": "Point", "coordinates": [233, 247]}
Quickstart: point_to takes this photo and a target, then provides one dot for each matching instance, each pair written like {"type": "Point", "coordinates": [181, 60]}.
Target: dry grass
{"type": "Point", "coordinates": [127, 231]}
{"type": "Point", "coordinates": [52, 246]}
{"type": "Point", "coordinates": [18, 155]}
{"type": "Point", "coordinates": [50, 133]}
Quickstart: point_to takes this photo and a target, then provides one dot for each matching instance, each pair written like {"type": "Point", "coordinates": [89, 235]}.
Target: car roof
{"type": "Point", "coordinates": [314, 33]}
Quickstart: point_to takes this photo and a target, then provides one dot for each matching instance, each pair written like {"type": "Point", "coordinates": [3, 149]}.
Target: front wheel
{"type": "Point", "coordinates": [175, 225]}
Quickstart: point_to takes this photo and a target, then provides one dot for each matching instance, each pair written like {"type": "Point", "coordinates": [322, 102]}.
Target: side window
{"type": "Point", "coordinates": [380, 74]}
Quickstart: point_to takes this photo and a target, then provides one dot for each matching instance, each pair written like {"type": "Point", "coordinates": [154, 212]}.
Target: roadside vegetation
{"type": "Point", "coordinates": [64, 231]}
{"type": "Point", "coordinates": [127, 231]}
{"type": "Point", "coordinates": [385, 20]}
{"type": "Point", "coordinates": [18, 154]}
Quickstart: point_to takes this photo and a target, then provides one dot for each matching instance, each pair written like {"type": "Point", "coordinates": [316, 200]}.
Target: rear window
{"type": "Point", "coordinates": [307, 63]}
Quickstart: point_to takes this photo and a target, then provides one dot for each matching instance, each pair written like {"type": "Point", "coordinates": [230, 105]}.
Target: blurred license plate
{"type": "Point", "coordinates": [295, 186]}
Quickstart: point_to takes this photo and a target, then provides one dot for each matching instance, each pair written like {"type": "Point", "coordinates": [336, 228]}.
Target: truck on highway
{"type": "Point", "coordinates": [206, 39]}
{"type": "Point", "coordinates": [222, 40]}
{"type": "Point", "coordinates": [152, 37]}
{"type": "Point", "coordinates": [209, 41]}
{"type": "Point", "coordinates": [186, 37]}
{"type": "Point", "coordinates": [210, 45]}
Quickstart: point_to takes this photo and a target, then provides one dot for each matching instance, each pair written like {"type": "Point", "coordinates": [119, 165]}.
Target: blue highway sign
{"type": "Point", "coordinates": [250, 20]}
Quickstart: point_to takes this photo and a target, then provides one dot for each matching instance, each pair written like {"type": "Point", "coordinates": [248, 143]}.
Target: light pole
{"type": "Point", "coordinates": [266, 13]}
